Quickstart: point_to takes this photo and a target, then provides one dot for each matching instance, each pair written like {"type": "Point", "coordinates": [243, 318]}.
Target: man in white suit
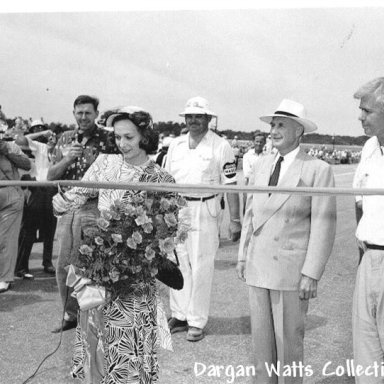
{"type": "Point", "coordinates": [285, 243]}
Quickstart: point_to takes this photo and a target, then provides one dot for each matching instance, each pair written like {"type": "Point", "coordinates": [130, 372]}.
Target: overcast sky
{"type": "Point", "coordinates": [243, 61]}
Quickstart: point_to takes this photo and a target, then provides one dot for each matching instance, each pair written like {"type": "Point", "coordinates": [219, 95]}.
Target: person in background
{"type": "Point", "coordinates": [161, 158]}
{"type": "Point", "coordinates": [200, 156]}
{"type": "Point", "coordinates": [250, 158]}
{"type": "Point", "coordinates": [38, 213]}
{"type": "Point", "coordinates": [236, 152]}
{"type": "Point", "coordinates": [11, 209]}
{"type": "Point", "coordinates": [253, 154]}
{"type": "Point", "coordinates": [268, 145]}
{"type": "Point", "coordinates": [75, 151]}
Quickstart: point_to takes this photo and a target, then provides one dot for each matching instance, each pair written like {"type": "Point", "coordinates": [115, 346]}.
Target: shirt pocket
{"type": "Point", "coordinates": [205, 165]}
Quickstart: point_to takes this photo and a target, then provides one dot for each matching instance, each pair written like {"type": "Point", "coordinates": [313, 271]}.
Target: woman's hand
{"type": "Point", "coordinates": [60, 205]}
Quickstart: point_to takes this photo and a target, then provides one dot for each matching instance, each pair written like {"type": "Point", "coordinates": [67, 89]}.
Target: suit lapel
{"type": "Point", "coordinates": [267, 207]}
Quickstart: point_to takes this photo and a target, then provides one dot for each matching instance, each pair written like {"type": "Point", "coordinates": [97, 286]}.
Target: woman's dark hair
{"type": "Point", "coordinates": [143, 121]}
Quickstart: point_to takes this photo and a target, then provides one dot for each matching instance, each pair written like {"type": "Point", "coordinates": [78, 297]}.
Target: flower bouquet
{"type": "Point", "coordinates": [132, 241]}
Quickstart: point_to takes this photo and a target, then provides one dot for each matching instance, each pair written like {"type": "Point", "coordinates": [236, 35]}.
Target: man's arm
{"type": "Point", "coordinates": [322, 235]}
{"type": "Point", "coordinates": [359, 210]}
{"type": "Point", "coordinates": [34, 136]}
{"type": "Point", "coordinates": [57, 170]}
{"type": "Point", "coordinates": [234, 214]}
{"type": "Point", "coordinates": [359, 215]}
{"type": "Point", "coordinates": [22, 139]}
{"type": "Point", "coordinates": [246, 233]}
{"type": "Point", "coordinates": [15, 155]}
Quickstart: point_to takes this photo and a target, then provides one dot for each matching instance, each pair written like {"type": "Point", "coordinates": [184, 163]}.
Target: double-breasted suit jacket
{"type": "Point", "coordinates": [287, 235]}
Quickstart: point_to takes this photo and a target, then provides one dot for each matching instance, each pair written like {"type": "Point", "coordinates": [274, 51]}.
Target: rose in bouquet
{"type": "Point", "coordinates": [132, 240]}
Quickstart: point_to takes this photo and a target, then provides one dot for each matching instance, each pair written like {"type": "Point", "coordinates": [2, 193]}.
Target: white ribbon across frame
{"type": "Point", "coordinates": [197, 188]}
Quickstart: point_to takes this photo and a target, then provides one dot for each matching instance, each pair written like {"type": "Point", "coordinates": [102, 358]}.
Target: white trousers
{"type": "Point", "coordinates": [368, 316]}
{"type": "Point", "coordinates": [196, 258]}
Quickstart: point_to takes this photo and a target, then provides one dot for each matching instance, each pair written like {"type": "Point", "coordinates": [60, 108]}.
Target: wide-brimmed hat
{"type": "Point", "coordinates": [197, 106]}
{"type": "Point", "coordinates": [292, 110]}
{"type": "Point", "coordinates": [36, 123]}
{"type": "Point", "coordinates": [130, 109]}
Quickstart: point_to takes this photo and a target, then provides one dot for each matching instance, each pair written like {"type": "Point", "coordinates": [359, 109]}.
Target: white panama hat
{"type": "Point", "coordinates": [197, 106]}
{"type": "Point", "coordinates": [292, 110]}
{"type": "Point", "coordinates": [36, 123]}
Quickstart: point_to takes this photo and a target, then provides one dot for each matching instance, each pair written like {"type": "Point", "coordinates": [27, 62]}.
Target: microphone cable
{"type": "Point", "coordinates": [56, 349]}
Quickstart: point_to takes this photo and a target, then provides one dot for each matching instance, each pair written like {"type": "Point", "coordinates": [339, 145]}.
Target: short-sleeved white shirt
{"type": "Point", "coordinates": [370, 174]}
{"type": "Point", "coordinates": [211, 162]}
{"type": "Point", "coordinates": [249, 159]}
{"type": "Point", "coordinates": [42, 163]}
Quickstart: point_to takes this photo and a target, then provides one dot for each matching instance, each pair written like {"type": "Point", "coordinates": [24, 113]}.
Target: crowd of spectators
{"type": "Point", "coordinates": [330, 155]}
{"type": "Point", "coordinates": [335, 156]}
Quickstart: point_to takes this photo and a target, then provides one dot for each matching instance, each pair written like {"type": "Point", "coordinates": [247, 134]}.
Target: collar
{"type": "Point", "coordinates": [94, 132]}
{"type": "Point", "coordinates": [371, 146]}
{"type": "Point", "coordinates": [207, 137]}
{"type": "Point", "coordinates": [290, 156]}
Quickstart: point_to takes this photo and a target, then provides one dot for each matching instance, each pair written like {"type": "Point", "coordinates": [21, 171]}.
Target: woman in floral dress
{"type": "Point", "coordinates": [118, 343]}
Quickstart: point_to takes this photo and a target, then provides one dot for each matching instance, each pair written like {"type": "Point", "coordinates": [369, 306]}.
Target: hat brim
{"type": "Point", "coordinates": [109, 121]}
{"type": "Point", "coordinates": [308, 125]}
{"type": "Point", "coordinates": [120, 111]}
{"type": "Point", "coordinates": [197, 111]}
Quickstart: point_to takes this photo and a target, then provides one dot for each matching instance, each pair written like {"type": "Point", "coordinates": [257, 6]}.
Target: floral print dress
{"type": "Point", "coordinates": [118, 342]}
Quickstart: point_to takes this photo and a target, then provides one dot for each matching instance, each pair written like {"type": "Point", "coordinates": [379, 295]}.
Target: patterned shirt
{"type": "Point", "coordinates": [113, 169]}
{"type": "Point", "coordinates": [99, 142]}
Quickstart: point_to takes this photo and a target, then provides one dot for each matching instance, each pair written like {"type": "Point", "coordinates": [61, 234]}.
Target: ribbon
{"type": "Point", "coordinates": [88, 294]}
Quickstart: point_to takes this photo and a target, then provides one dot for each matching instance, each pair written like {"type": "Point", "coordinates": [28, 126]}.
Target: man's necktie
{"type": "Point", "coordinates": [276, 173]}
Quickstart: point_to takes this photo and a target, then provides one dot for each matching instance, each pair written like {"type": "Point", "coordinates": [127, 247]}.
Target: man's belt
{"type": "Point", "coordinates": [374, 246]}
{"type": "Point", "coordinates": [199, 198]}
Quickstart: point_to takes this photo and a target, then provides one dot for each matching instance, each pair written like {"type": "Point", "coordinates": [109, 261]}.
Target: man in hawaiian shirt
{"type": "Point", "coordinates": [75, 151]}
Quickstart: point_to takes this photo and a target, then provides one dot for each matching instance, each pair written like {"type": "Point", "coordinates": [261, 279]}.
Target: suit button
{"type": "Point", "coordinates": [275, 258]}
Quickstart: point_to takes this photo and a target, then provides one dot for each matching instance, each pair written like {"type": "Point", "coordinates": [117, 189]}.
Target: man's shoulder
{"type": "Point", "coordinates": [177, 141]}
{"type": "Point", "coordinates": [218, 142]}
{"type": "Point", "coordinates": [369, 147]}
{"type": "Point", "coordinates": [313, 162]}
{"type": "Point", "coordinates": [247, 154]}
{"type": "Point", "coordinates": [104, 139]}
{"type": "Point", "coordinates": [218, 138]}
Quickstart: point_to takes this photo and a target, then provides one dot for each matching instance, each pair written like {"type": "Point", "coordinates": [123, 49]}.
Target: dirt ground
{"type": "Point", "coordinates": [32, 309]}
